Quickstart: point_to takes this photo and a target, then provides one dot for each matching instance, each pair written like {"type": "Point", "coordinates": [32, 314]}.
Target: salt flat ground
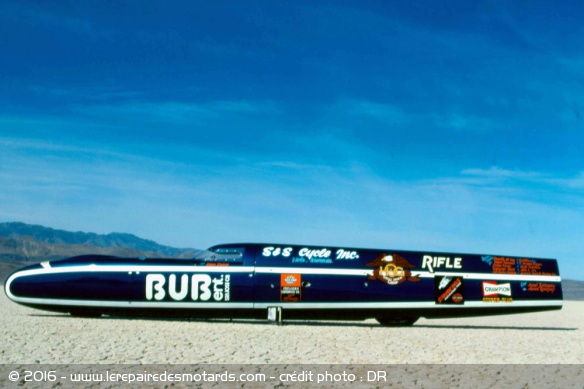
{"type": "Point", "coordinates": [31, 336]}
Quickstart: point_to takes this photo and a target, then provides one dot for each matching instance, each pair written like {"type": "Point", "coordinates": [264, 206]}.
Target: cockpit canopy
{"type": "Point", "coordinates": [221, 254]}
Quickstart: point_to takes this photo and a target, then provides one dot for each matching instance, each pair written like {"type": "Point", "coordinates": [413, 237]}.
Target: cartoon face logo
{"type": "Point", "coordinates": [392, 269]}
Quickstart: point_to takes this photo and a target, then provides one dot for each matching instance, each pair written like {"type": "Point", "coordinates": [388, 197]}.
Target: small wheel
{"type": "Point", "coordinates": [397, 321]}
{"type": "Point", "coordinates": [84, 313]}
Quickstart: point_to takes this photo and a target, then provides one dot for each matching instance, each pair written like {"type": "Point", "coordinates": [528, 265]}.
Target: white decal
{"type": "Point", "coordinates": [202, 287]}
{"type": "Point", "coordinates": [218, 289]}
{"type": "Point", "coordinates": [494, 289]}
{"type": "Point", "coordinates": [184, 287]}
{"type": "Point", "coordinates": [227, 287]}
{"type": "Point", "coordinates": [343, 254]}
{"type": "Point", "coordinates": [205, 281]}
{"type": "Point", "coordinates": [431, 263]}
{"type": "Point", "coordinates": [155, 282]}
{"type": "Point", "coordinates": [308, 253]}
{"type": "Point", "coordinates": [276, 251]}
{"type": "Point", "coordinates": [444, 282]}
{"type": "Point", "coordinates": [290, 279]}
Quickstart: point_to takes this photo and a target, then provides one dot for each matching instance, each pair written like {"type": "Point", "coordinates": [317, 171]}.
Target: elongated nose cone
{"type": "Point", "coordinates": [70, 283]}
{"type": "Point", "coordinates": [22, 285]}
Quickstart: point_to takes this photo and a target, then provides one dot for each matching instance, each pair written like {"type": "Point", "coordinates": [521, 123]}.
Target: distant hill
{"type": "Point", "coordinates": [573, 290]}
{"type": "Point", "coordinates": [23, 244]}
{"type": "Point", "coordinates": [116, 239]}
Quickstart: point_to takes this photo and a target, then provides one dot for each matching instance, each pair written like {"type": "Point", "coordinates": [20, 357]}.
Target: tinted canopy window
{"type": "Point", "coordinates": [221, 255]}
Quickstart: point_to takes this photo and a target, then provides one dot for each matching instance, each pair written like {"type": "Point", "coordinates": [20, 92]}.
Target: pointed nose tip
{"type": "Point", "coordinates": [19, 282]}
{"type": "Point", "coordinates": [8, 285]}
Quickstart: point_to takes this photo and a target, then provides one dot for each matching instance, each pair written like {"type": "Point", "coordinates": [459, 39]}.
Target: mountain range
{"type": "Point", "coordinates": [23, 244]}
{"type": "Point", "coordinates": [113, 240]}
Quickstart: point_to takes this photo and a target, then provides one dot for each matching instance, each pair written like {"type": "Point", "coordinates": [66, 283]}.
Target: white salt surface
{"type": "Point", "coordinates": [33, 336]}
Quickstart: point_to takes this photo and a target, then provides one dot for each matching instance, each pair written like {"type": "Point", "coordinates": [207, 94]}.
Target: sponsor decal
{"type": "Point", "coordinates": [290, 279]}
{"type": "Point", "coordinates": [458, 298]}
{"type": "Point", "coordinates": [314, 256]}
{"type": "Point", "coordinates": [444, 282]}
{"type": "Point", "coordinates": [314, 253]}
{"type": "Point", "coordinates": [504, 265]}
{"type": "Point", "coordinates": [216, 264]}
{"type": "Point", "coordinates": [277, 251]}
{"type": "Point", "coordinates": [290, 287]}
{"type": "Point", "coordinates": [508, 265]}
{"type": "Point", "coordinates": [432, 263]}
{"type": "Point", "coordinates": [346, 255]}
{"type": "Point", "coordinates": [541, 287]}
{"type": "Point", "coordinates": [495, 289]}
{"type": "Point", "coordinates": [449, 290]}
{"type": "Point", "coordinates": [492, 292]}
{"type": "Point", "coordinates": [529, 266]}
{"type": "Point", "coordinates": [497, 300]}
{"type": "Point", "coordinates": [488, 259]}
{"type": "Point", "coordinates": [197, 287]}
{"type": "Point", "coordinates": [392, 269]}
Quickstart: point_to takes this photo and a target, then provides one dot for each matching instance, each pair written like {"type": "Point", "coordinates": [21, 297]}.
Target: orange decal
{"type": "Point", "coordinates": [290, 287]}
{"type": "Point", "coordinates": [290, 280]}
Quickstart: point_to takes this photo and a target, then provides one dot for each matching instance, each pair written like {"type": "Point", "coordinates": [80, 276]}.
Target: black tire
{"type": "Point", "coordinates": [397, 321]}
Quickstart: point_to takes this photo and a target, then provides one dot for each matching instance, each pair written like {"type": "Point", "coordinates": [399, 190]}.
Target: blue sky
{"type": "Point", "coordinates": [456, 126]}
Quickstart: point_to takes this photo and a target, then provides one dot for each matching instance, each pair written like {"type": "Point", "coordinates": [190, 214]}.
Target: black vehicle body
{"type": "Point", "coordinates": [298, 282]}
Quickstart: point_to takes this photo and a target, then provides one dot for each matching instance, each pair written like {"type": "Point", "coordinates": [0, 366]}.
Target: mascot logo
{"type": "Point", "coordinates": [392, 269]}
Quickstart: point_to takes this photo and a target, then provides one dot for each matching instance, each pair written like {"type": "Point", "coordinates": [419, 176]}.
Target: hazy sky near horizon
{"type": "Point", "coordinates": [451, 126]}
